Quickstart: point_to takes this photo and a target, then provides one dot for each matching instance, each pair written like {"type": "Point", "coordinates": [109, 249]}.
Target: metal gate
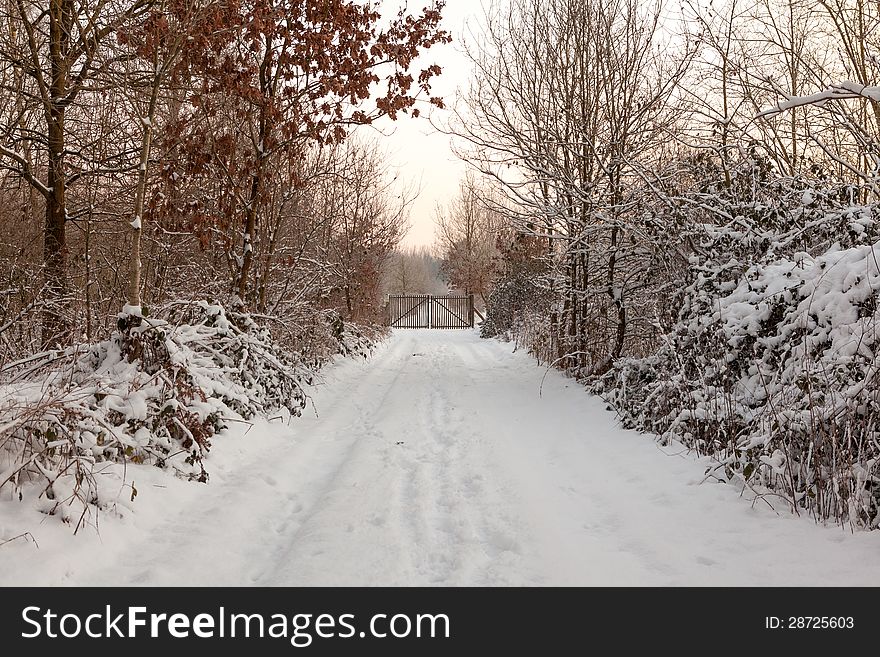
{"type": "Point", "coordinates": [427, 311]}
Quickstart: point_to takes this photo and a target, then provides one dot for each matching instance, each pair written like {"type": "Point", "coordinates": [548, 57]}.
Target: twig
{"type": "Point", "coordinates": [26, 535]}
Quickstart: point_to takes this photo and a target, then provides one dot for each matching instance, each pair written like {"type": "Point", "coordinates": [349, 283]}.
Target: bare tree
{"type": "Point", "coordinates": [468, 229]}
{"type": "Point", "coordinates": [570, 105]}
{"type": "Point", "coordinates": [413, 271]}
{"type": "Point", "coordinates": [56, 51]}
{"type": "Point", "coordinates": [367, 217]}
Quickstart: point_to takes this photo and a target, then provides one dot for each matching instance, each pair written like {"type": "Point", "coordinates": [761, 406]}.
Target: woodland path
{"type": "Point", "coordinates": [442, 461]}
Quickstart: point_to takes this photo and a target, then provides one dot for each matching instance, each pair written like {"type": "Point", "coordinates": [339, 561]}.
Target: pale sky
{"type": "Point", "coordinates": [421, 154]}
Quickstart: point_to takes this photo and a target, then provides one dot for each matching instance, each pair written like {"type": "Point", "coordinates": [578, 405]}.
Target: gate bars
{"type": "Point", "coordinates": [428, 311]}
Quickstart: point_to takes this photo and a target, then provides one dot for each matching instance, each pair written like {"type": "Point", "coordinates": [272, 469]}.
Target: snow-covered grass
{"type": "Point", "coordinates": [445, 459]}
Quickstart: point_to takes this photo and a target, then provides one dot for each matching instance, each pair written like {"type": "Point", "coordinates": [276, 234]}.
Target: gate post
{"type": "Point", "coordinates": [430, 311]}
{"type": "Point", "coordinates": [471, 310]}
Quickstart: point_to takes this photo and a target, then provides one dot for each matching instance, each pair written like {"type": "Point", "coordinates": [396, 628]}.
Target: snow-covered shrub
{"type": "Point", "coordinates": [156, 393]}
{"type": "Point", "coordinates": [315, 336]}
{"type": "Point", "coordinates": [237, 359]}
{"type": "Point", "coordinates": [503, 306]}
{"type": "Point", "coordinates": [350, 339]}
{"type": "Point", "coordinates": [517, 310]}
{"type": "Point", "coordinates": [772, 364]}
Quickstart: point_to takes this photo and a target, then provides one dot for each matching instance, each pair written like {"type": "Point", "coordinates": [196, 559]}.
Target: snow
{"type": "Point", "coordinates": [843, 91]}
{"type": "Point", "coordinates": [442, 460]}
{"type": "Point", "coordinates": [136, 223]}
{"type": "Point", "coordinates": [129, 310]}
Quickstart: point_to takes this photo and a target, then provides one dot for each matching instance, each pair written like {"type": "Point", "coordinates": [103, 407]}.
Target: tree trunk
{"type": "Point", "coordinates": [134, 277]}
{"type": "Point", "coordinates": [250, 228]}
{"type": "Point", "coordinates": [583, 330]}
{"type": "Point", "coordinates": [616, 295]}
{"type": "Point", "coordinates": [56, 322]}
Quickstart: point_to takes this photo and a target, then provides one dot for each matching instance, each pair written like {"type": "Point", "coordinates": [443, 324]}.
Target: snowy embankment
{"type": "Point", "coordinates": [773, 369]}
{"type": "Point", "coordinates": [440, 462]}
{"type": "Point", "coordinates": [156, 393]}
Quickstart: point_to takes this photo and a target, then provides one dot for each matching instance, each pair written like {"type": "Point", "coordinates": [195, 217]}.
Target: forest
{"type": "Point", "coordinates": [675, 205]}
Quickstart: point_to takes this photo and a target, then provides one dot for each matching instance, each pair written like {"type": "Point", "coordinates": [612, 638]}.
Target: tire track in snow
{"type": "Point", "coordinates": [367, 406]}
{"type": "Point", "coordinates": [609, 497]}
{"type": "Point", "coordinates": [439, 530]}
{"type": "Point", "coordinates": [269, 509]}
{"type": "Point", "coordinates": [486, 363]}
{"type": "Point", "coordinates": [471, 536]}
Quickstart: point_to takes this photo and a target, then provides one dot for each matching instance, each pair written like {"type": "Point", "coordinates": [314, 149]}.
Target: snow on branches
{"type": "Point", "coordinates": [771, 367]}
{"type": "Point", "coordinates": [840, 91]}
{"type": "Point", "coordinates": [157, 392]}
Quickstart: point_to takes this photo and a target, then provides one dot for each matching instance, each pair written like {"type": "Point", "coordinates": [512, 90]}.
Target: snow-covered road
{"type": "Point", "coordinates": [440, 462]}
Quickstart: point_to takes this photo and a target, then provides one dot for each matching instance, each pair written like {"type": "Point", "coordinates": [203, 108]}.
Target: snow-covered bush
{"type": "Point", "coordinates": [348, 338]}
{"type": "Point", "coordinates": [510, 298]}
{"type": "Point", "coordinates": [772, 364]}
{"type": "Point", "coordinates": [244, 366]}
{"type": "Point", "coordinates": [155, 393]}
{"type": "Point", "coordinates": [517, 310]}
